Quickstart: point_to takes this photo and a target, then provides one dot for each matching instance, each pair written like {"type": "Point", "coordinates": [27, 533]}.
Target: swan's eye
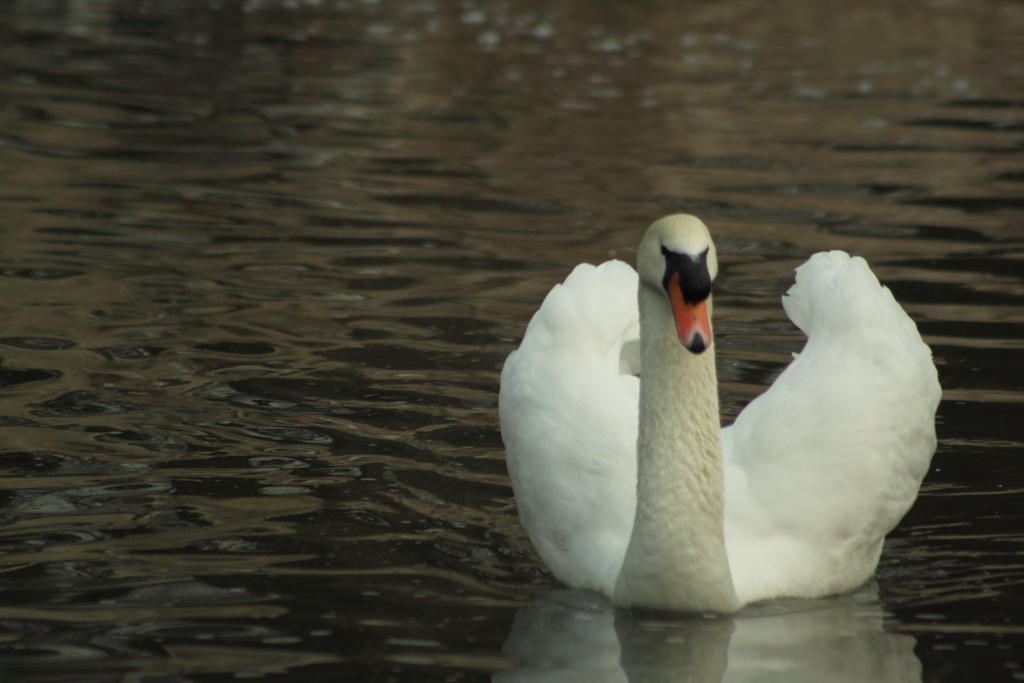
{"type": "Point", "coordinates": [694, 279]}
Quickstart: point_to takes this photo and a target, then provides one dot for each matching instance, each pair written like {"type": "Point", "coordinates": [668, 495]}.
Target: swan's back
{"type": "Point", "coordinates": [828, 460]}
{"type": "Point", "coordinates": [568, 406]}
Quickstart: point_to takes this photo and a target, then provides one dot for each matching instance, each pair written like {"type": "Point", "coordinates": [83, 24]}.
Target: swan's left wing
{"type": "Point", "coordinates": [825, 463]}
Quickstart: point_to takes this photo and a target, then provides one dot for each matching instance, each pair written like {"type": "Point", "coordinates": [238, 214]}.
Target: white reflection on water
{"type": "Point", "coordinates": [570, 635]}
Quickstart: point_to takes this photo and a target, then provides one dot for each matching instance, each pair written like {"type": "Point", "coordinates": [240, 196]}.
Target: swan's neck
{"type": "Point", "coordinates": [676, 555]}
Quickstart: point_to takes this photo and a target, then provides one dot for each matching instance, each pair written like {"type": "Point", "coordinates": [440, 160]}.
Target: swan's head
{"type": "Point", "coordinates": [677, 259]}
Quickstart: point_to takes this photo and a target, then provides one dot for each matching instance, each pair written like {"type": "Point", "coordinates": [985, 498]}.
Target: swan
{"type": "Point", "coordinates": [627, 484]}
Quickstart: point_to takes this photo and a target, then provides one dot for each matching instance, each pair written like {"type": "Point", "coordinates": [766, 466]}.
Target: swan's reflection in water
{"type": "Point", "coordinates": [568, 635]}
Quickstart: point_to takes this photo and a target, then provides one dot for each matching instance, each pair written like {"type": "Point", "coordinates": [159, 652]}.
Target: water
{"type": "Point", "coordinates": [262, 263]}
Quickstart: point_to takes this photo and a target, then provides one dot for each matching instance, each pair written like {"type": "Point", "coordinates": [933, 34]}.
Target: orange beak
{"type": "Point", "coordinates": [692, 324]}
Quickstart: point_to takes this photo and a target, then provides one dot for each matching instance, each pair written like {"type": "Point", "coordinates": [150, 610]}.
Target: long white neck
{"type": "Point", "coordinates": [676, 555]}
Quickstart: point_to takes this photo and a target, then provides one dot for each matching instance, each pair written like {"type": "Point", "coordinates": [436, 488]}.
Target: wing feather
{"type": "Point", "coordinates": [825, 463]}
{"type": "Point", "coordinates": [569, 412]}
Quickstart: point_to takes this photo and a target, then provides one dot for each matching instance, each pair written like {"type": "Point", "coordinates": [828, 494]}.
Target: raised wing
{"type": "Point", "coordinates": [825, 463]}
{"type": "Point", "coordinates": [568, 405]}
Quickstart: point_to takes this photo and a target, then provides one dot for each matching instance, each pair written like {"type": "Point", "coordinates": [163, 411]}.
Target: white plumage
{"type": "Point", "coordinates": [816, 470]}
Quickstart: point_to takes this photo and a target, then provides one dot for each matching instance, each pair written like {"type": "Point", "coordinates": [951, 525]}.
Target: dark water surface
{"type": "Point", "coordinates": [262, 262]}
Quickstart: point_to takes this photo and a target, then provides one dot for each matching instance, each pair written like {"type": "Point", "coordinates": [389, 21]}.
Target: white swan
{"type": "Point", "coordinates": [629, 485]}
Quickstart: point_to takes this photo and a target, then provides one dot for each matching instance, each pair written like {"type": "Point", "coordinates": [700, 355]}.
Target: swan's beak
{"type": "Point", "coordinates": [692, 324]}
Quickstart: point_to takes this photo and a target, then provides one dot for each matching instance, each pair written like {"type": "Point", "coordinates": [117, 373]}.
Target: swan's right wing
{"type": "Point", "coordinates": [569, 405]}
{"type": "Point", "coordinates": [825, 463]}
